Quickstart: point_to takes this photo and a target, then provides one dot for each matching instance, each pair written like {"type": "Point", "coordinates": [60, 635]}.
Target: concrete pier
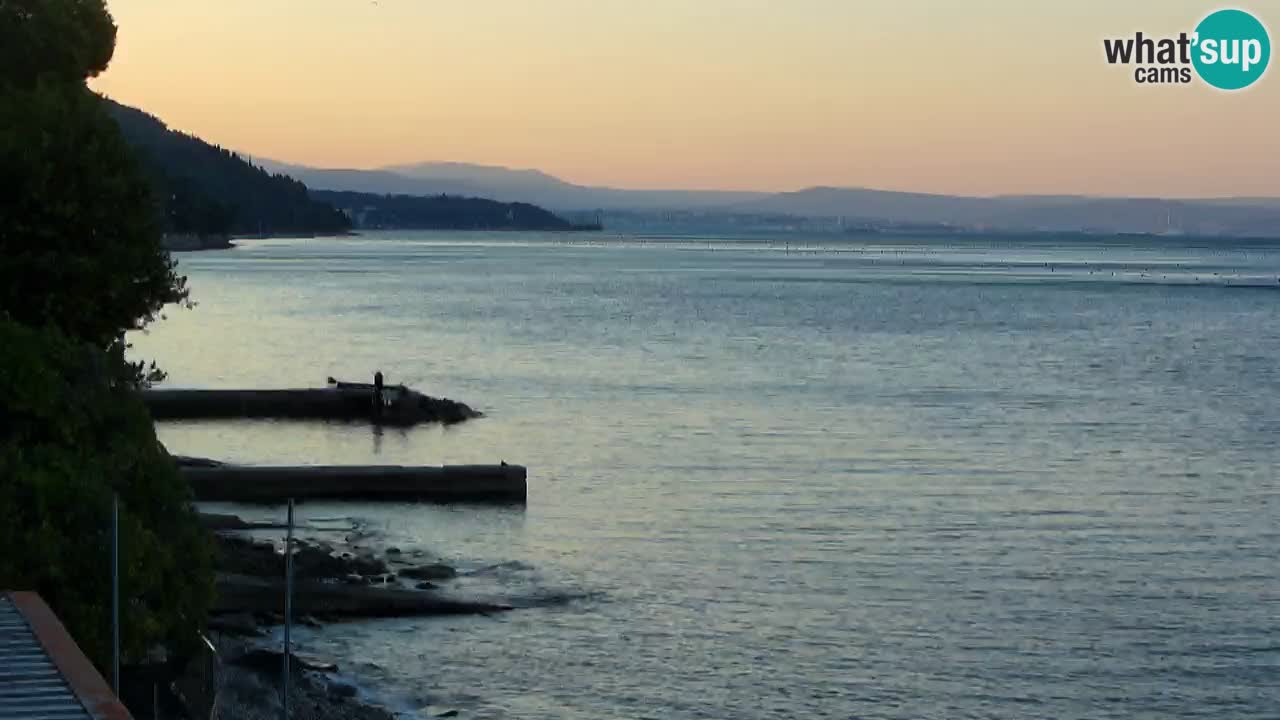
{"type": "Point", "coordinates": [344, 401]}
{"type": "Point", "coordinates": [450, 483]}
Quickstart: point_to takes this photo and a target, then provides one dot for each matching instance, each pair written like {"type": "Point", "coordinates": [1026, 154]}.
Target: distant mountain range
{"type": "Point", "coordinates": [852, 207]}
{"type": "Point", "coordinates": [205, 193]}
{"type": "Point", "coordinates": [1057, 213]}
{"type": "Point", "coordinates": [499, 183]}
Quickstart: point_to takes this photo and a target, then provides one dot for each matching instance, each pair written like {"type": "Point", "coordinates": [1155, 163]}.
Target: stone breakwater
{"type": "Point", "coordinates": [346, 401]}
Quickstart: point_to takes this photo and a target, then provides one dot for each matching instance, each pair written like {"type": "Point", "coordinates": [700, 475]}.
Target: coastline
{"type": "Point", "coordinates": [192, 242]}
{"type": "Point", "coordinates": [590, 531]}
{"type": "Point", "coordinates": [246, 630]}
{"type": "Point", "coordinates": [248, 685]}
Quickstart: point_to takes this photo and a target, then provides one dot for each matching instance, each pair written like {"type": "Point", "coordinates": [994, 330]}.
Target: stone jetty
{"type": "Point", "coordinates": [398, 405]}
{"type": "Point", "coordinates": [276, 483]}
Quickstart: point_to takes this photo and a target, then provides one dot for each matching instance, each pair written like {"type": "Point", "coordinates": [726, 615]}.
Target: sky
{"type": "Point", "coordinates": [972, 97]}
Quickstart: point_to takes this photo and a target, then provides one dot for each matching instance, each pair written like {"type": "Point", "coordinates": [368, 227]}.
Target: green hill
{"type": "Point", "coordinates": [442, 212]}
{"type": "Point", "coordinates": [207, 190]}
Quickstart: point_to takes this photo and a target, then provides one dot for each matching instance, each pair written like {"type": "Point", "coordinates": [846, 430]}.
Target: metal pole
{"type": "Point", "coordinates": [288, 609]}
{"type": "Point", "coordinates": [115, 594]}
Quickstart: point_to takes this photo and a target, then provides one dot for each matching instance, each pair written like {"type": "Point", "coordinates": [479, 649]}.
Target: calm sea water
{"type": "Point", "coordinates": [889, 480]}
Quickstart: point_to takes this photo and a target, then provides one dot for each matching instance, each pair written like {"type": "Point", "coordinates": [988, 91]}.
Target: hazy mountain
{"type": "Point", "coordinates": [500, 183]}
{"type": "Point", "coordinates": [864, 204]}
{"type": "Point", "coordinates": [1235, 216]}
{"type": "Point", "coordinates": [859, 206]}
{"type": "Point", "coordinates": [481, 175]}
{"type": "Point", "coordinates": [372, 181]}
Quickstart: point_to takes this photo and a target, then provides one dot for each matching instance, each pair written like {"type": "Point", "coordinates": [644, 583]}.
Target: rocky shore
{"type": "Point", "coordinates": [249, 686]}
{"type": "Point", "coordinates": [329, 583]}
{"type": "Point", "coordinates": [333, 582]}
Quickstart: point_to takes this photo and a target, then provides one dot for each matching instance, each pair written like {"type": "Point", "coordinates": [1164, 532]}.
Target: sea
{"type": "Point", "coordinates": [771, 477]}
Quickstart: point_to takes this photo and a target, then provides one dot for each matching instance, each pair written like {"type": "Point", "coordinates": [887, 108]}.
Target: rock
{"type": "Point", "coordinates": [429, 572]}
{"type": "Point", "coordinates": [245, 693]}
{"type": "Point", "coordinates": [315, 561]}
{"type": "Point", "coordinates": [220, 521]}
{"type": "Point", "coordinates": [269, 661]}
{"type": "Point", "coordinates": [446, 714]}
{"type": "Point", "coordinates": [242, 624]}
{"type": "Point", "coordinates": [341, 689]}
{"type": "Point", "coordinates": [311, 662]}
{"type": "Point", "coordinates": [424, 585]}
{"type": "Point", "coordinates": [393, 551]}
{"type": "Point", "coordinates": [368, 564]}
{"type": "Point", "coordinates": [354, 579]}
{"type": "Point", "coordinates": [240, 593]}
{"type": "Point", "coordinates": [246, 556]}
{"type": "Point", "coordinates": [253, 557]}
{"type": "Point", "coordinates": [445, 410]}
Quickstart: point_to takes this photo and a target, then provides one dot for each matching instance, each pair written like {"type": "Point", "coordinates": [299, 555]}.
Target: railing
{"type": "Point", "coordinates": [200, 684]}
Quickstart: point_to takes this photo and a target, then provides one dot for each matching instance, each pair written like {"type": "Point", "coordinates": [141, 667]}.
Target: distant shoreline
{"type": "Point", "coordinates": [1044, 235]}
{"type": "Point", "coordinates": [192, 242]}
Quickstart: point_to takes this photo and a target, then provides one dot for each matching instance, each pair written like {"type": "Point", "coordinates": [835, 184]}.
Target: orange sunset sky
{"type": "Point", "coordinates": [976, 97]}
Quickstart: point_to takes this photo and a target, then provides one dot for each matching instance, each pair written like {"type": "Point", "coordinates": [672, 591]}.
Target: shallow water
{"type": "Point", "coordinates": [889, 479]}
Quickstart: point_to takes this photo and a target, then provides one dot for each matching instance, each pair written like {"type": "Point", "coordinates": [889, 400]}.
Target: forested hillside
{"type": "Point", "coordinates": [443, 212]}
{"type": "Point", "coordinates": [204, 189]}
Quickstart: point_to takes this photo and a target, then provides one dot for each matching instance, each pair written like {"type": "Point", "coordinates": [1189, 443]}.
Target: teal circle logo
{"type": "Point", "coordinates": [1232, 49]}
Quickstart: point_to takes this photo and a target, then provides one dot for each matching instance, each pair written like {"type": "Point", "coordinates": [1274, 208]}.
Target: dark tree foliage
{"type": "Point", "coordinates": [207, 190]}
{"type": "Point", "coordinates": [70, 436]}
{"type": "Point", "coordinates": [80, 244]}
{"type": "Point", "coordinates": [64, 40]}
{"type": "Point", "coordinates": [441, 212]}
{"type": "Point", "coordinates": [80, 264]}
{"type": "Point", "coordinates": [81, 250]}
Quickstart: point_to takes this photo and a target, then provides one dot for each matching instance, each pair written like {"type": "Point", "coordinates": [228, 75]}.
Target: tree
{"type": "Point", "coordinates": [78, 234]}
{"type": "Point", "coordinates": [67, 40]}
{"type": "Point", "coordinates": [80, 264]}
{"type": "Point", "coordinates": [70, 437]}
